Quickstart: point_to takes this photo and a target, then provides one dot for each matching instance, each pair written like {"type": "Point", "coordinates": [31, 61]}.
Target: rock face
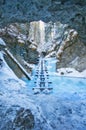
{"type": "Point", "coordinates": [63, 35]}
{"type": "Point", "coordinates": [17, 41]}
{"type": "Point", "coordinates": [27, 40]}
{"type": "Point", "coordinates": [72, 13]}
{"type": "Point", "coordinates": [72, 52]}
{"type": "Point", "coordinates": [59, 16]}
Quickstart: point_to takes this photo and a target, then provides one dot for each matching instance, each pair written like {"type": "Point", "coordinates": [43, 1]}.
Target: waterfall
{"type": "Point", "coordinates": [37, 33]}
{"type": "Point", "coordinates": [42, 36]}
{"type": "Point", "coordinates": [45, 34]}
{"type": "Point", "coordinates": [34, 32]}
{"type": "Point", "coordinates": [42, 31]}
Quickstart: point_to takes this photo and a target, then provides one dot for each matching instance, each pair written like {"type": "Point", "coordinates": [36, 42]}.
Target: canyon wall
{"type": "Point", "coordinates": [62, 29]}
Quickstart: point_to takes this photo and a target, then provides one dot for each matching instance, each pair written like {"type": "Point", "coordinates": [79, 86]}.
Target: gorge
{"type": "Point", "coordinates": [46, 40]}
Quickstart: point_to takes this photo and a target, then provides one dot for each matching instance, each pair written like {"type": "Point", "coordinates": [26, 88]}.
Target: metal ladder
{"type": "Point", "coordinates": [42, 83]}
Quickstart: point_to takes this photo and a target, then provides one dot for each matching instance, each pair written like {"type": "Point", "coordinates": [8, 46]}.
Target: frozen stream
{"type": "Point", "coordinates": [60, 84]}
{"type": "Point", "coordinates": [64, 108]}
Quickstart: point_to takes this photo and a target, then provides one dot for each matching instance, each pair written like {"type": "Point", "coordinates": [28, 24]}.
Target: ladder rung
{"type": "Point", "coordinates": [42, 88]}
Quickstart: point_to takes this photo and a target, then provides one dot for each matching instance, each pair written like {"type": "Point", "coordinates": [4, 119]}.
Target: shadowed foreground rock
{"type": "Point", "coordinates": [15, 118]}
{"type": "Point", "coordinates": [24, 119]}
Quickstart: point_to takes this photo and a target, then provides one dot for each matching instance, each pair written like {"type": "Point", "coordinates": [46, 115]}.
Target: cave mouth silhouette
{"type": "Point", "coordinates": [67, 12]}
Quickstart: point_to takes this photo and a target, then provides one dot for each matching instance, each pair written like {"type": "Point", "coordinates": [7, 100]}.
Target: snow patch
{"type": "Point", "coordinates": [71, 72]}
{"type": "Point", "coordinates": [2, 42]}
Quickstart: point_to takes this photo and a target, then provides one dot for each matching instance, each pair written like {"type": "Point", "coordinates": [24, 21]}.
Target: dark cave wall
{"type": "Point", "coordinates": [71, 12]}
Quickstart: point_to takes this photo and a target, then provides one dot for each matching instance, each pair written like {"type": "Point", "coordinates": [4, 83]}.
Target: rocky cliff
{"type": "Point", "coordinates": [56, 28]}
{"type": "Point", "coordinates": [59, 18]}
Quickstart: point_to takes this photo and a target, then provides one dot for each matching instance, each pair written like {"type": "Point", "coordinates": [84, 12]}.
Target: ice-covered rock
{"type": "Point", "coordinates": [2, 42]}
{"type": "Point", "coordinates": [71, 36]}
{"type": "Point", "coordinates": [21, 41]}
{"type": "Point", "coordinates": [33, 47]}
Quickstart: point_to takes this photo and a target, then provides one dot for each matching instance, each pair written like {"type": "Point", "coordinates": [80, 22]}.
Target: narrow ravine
{"type": "Point", "coordinates": [42, 64]}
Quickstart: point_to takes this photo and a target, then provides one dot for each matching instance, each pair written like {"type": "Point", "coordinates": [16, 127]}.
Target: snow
{"type": "Point", "coordinates": [51, 54]}
{"type": "Point", "coordinates": [32, 66]}
{"type": "Point", "coordinates": [70, 72]}
{"type": "Point", "coordinates": [6, 73]}
{"type": "Point", "coordinates": [20, 66]}
{"type": "Point", "coordinates": [84, 73]}
{"type": "Point", "coordinates": [64, 108]}
{"type": "Point", "coordinates": [2, 42]}
{"type": "Point", "coordinates": [14, 92]}
{"type": "Point", "coordinates": [75, 61]}
{"type": "Point", "coordinates": [21, 41]}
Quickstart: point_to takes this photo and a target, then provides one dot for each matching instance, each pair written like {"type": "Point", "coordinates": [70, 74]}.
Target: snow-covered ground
{"type": "Point", "coordinates": [63, 109]}
{"type": "Point", "coordinates": [71, 72]}
{"type": "Point", "coordinates": [14, 98]}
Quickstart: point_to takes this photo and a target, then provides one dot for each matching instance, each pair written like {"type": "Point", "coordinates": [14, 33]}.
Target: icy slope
{"type": "Point", "coordinates": [64, 109]}
{"type": "Point", "coordinates": [17, 109]}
